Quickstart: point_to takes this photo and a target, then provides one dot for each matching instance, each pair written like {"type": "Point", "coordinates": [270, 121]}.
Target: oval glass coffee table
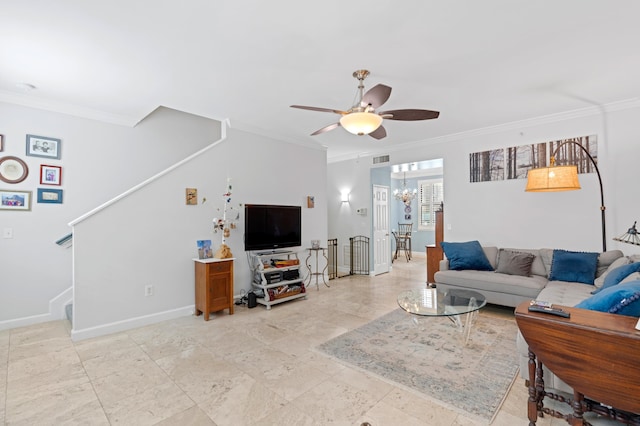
{"type": "Point", "coordinates": [454, 304]}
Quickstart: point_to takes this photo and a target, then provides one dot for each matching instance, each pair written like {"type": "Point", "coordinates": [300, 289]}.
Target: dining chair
{"type": "Point", "coordinates": [406, 229]}
{"type": "Point", "coordinates": [403, 240]}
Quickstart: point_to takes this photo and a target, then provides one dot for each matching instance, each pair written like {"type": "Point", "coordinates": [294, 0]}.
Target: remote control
{"type": "Point", "coordinates": [552, 311]}
{"type": "Point", "coordinates": [541, 303]}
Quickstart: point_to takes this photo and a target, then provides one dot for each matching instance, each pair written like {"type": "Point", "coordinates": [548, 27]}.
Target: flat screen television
{"type": "Point", "coordinates": [268, 227]}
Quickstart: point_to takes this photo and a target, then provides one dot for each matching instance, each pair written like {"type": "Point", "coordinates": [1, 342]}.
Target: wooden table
{"type": "Point", "coordinates": [596, 353]}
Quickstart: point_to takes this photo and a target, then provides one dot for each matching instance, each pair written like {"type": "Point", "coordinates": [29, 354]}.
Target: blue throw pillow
{"type": "Point", "coordinates": [623, 299]}
{"type": "Point", "coordinates": [468, 255]}
{"type": "Point", "coordinates": [615, 276]}
{"type": "Point", "coordinates": [573, 266]}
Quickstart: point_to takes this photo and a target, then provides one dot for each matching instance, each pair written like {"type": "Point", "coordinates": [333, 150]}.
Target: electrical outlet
{"type": "Point", "coordinates": [7, 233]}
{"type": "Point", "coordinates": [148, 290]}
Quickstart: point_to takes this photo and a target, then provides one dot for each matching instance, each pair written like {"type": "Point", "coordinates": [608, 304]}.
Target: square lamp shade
{"type": "Point", "coordinates": [551, 179]}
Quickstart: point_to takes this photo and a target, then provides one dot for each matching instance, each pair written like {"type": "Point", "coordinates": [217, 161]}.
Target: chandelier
{"type": "Point", "coordinates": [406, 195]}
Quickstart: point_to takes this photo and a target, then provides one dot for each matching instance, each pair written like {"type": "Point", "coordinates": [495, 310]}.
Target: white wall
{"type": "Point", "coordinates": [344, 223]}
{"type": "Point", "coordinates": [99, 161]}
{"type": "Point", "coordinates": [149, 237]}
{"type": "Point", "coordinates": [501, 213]}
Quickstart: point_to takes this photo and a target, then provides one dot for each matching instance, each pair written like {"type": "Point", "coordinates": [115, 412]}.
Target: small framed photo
{"type": "Point", "coordinates": [42, 146]}
{"type": "Point", "coordinates": [51, 196]}
{"type": "Point", "coordinates": [204, 249]}
{"type": "Point", "coordinates": [191, 196]}
{"type": "Point", "coordinates": [15, 200]}
{"type": "Point", "coordinates": [50, 175]}
{"type": "Point", "coordinates": [311, 201]}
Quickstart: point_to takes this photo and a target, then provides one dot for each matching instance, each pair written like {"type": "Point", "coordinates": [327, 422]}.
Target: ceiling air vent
{"type": "Point", "coordinates": [381, 159]}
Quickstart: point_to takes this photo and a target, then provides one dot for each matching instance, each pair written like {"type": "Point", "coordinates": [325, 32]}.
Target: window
{"type": "Point", "coordinates": [431, 194]}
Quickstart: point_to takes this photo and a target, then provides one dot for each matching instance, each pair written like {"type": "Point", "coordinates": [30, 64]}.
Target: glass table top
{"type": "Point", "coordinates": [434, 302]}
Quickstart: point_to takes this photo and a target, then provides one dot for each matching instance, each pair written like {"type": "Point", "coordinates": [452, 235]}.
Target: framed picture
{"type": "Point", "coordinates": [42, 146]}
{"type": "Point", "coordinates": [50, 175]}
{"type": "Point", "coordinates": [1, 142]}
{"type": "Point", "coordinates": [51, 196]}
{"type": "Point", "coordinates": [13, 169]}
{"type": "Point", "coordinates": [204, 249]}
{"type": "Point", "coordinates": [15, 200]}
{"type": "Point", "coordinates": [311, 201]}
{"type": "Point", "coordinates": [191, 196]}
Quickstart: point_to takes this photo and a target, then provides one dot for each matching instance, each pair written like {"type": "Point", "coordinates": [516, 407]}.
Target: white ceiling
{"type": "Point", "coordinates": [480, 63]}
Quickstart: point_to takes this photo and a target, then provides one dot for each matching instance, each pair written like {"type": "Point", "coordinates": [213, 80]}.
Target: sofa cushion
{"type": "Point", "coordinates": [623, 299]}
{"type": "Point", "coordinates": [564, 293]}
{"type": "Point", "coordinates": [528, 287]}
{"type": "Point", "coordinates": [492, 255]}
{"type": "Point", "coordinates": [466, 255]}
{"type": "Point", "coordinates": [574, 266]}
{"type": "Point", "coordinates": [514, 262]}
{"type": "Point", "coordinates": [632, 277]}
{"type": "Point", "coordinates": [546, 255]}
{"type": "Point", "coordinates": [615, 276]}
{"type": "Point", "coordinates": [623, 260]}
{"type": "Point", "coordinates": [606, 259]}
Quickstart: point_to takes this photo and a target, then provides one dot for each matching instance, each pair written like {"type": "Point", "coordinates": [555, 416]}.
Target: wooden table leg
{"type": "Point", "coordinates": [576, 404]}
{"type": "Point", "coordinates": [532, 405]}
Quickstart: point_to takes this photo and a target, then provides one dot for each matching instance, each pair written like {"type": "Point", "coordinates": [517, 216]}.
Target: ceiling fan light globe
{"type": "Point", "coordinates": [361, 123]}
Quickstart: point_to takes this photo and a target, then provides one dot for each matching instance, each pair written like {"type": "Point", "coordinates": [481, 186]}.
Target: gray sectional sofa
{"type": "Point", "coordinates": [509, 289]}
{"type": "Point", "coordinates": [512, 289]}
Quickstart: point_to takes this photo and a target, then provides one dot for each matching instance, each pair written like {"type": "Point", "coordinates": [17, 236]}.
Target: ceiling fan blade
{"type": "Point", "coordinates": [337, 111]}
{"type": "Point", "coordinates": [378, 133]}
{"type": "Point", "coordinates": [326, 128]}
{"type": "Point", "coordinates": [376, 96]}
{"type": "Point", "coordinates": [409, 114]}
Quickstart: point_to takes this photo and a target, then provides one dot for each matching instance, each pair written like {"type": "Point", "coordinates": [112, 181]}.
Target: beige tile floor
{"type": "Point", "coordinates": [253, 367]}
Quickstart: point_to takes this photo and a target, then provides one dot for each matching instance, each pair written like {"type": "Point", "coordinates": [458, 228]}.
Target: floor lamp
{"type": "Point", "coordinates": [564, 178]}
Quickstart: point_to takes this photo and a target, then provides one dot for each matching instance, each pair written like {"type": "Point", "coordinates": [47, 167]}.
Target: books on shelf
{"type": "Point", "coordinates": [204, 249]}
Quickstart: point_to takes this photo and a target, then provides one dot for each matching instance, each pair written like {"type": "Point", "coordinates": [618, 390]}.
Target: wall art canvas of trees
{"type": "Point", "coordinates": [571, 154]}
{"type": "Point", "coordinates": [520, 159]}
{"type": "Point", "coordinates": [486, 166]}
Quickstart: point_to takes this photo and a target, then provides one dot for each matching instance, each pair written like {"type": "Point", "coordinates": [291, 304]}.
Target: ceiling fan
{"type": "Point", "coordinates": [362, 118]}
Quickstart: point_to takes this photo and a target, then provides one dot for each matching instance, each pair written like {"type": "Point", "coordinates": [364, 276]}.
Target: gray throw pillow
{"type": "Point", "coordinates": [515, 263]}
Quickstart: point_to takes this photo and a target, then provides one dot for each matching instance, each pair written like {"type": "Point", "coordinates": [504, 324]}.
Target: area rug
{"type": "Point", "coordinates": [427, 354]}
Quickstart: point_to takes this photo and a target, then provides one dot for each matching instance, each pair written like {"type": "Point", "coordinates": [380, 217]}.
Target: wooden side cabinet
{"type": "Point", "coordinates": [434, 253]}
{"type": "Point", "coordinates": [214, 286]}
{"type": "Point", "coordinates": [434, 256]}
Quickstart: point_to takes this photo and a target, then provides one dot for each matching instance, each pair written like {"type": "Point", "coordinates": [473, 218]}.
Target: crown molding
{"type": "Point", "coordinates": [68, 109]}
{"type": "Point", "coordinates": [510, 126]}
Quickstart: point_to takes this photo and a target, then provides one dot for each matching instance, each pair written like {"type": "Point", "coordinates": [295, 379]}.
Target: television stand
{"type": "Point", "coordinates": [277, 274]}
{"type": "Point", "coordinates": [264, 253]}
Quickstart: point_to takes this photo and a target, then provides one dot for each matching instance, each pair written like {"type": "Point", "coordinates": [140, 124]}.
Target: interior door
{"type": "Point", "coordinates": [381, 242]}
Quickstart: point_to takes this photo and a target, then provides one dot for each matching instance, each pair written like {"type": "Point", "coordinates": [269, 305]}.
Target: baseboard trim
{"type": "Point", "coordinates": [23, 322]}
{"type": "Point", "coordinates": [130, 323]}
{"type": "Point", "coordinates": [56, 312]}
